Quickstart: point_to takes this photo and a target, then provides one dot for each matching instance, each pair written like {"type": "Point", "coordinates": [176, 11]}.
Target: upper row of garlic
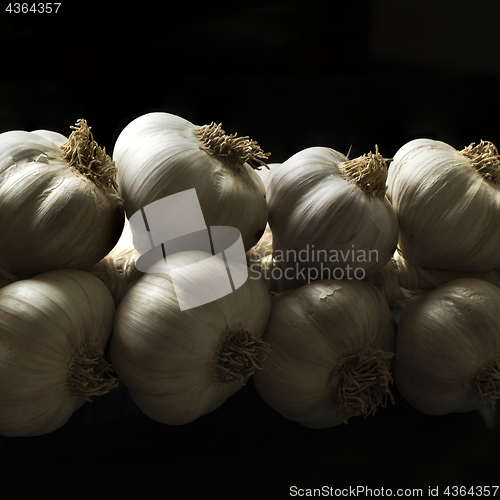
{"type": "Point", "coordinates": [70, 198]}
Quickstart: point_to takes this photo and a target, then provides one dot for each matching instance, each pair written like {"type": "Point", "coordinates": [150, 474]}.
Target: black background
{"type": "Point", "coordinates": [343, 74]}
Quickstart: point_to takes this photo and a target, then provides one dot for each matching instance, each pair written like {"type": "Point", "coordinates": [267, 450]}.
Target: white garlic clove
{"type": "Point", "coordinates": [53, 334]}
{"type": "Point", "coordinates": [331, 349]}
{"type": "Point", "coordinates": [329, 215]}
{"type": "Point", "coordinates": [58, 204]}
{"type": "Point", "coordinates": [160, 154]}
{"type": "Point", "coordinates": [448, 348]}
{"type": "Point", "coordinates": [448, 204]}
{"type": "Point", "coordinates": [182, 364]}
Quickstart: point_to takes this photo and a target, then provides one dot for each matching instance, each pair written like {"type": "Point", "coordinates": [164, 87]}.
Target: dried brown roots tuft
{"type": "Point", "coordinates": [369, 172]}
{"type": "Point", "coordinates": [89, 373]}
{"type": "Point", "coordinates": [236, 150]}
{"type": "Point", "coordinates": [484, 158]}
{"type": "Point", "coordinates": [238, 356]}
{"type": "Point", "coordinates": [361, 383]}
{"type": "Point", "coordinates": [486, 382]}
{"type": "Point", "coordinates": [84, 155]}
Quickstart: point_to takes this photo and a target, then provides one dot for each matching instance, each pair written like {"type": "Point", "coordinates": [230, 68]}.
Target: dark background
{"type": "Point", "coordinates": [342, 74]}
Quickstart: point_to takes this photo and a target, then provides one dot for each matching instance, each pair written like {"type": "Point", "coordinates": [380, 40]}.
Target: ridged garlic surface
{"type": "Point", "coordinates": [448, 348]}
{"type": "Point", "coordinates": [448, 204]}
{"type": "Point", "coordinates": [159, 154]}
{"type": "Point", "coordinates": [53, 332]}
{"type": "Point", "coordinates": [330, 213]}
{"type": "Point", "coordinates": [331, 350]}
{"type": "Point", "coordinates": [58, 204]}
{"type": "Point", "coordinates": [182, 364]}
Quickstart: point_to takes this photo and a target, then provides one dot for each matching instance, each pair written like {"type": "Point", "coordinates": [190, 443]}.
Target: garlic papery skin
{"type": "Point", "coordinates": [387, 281]}
{"type": "Point", "coordinates": [160, 154]}
{"type": "Point", "coordinates": [53, 332]}
{"type": "Point", "coordinates": [330, 215]}
{"type": "Point", "coordinates": [448, 204]}
{"type": "Point", "coordinates": [400, 280]}
{"type": "Point", "coordinates": [331, 349]}
{"type": "Point", "coordinates": [182, 364]}
{"type": "Point", "coordinates": [265, 174]}
{"type": "Point", "coordinates": [262, 265]}
{"type": "Point", "coordinates": [117, 270]}
{"type": "Point", "coordinates": [58, 204]}
{"type": "Point", "coordinates": [420, 279]}
{"type": "Point", "coordinates": [448, 348]}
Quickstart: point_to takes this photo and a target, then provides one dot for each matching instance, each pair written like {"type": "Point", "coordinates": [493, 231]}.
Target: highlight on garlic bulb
{"type": "Point", "coordinates": [7, 278]}
{"type": "Point", "coordinates": [53, 331]}
{"type": "Point", "coordinates": [448, 204]}
{"type": "Point", "coordinates": [160, 154]}
{"type": "Point", "coordinates": [59, 207]}
{"type": "Point", "coordinates": [448, 348]}
{"type": "Point", "coordinates": [331, 351]}
{"type": "Point", "coordinates": [182, 364]}
{"type": "Point", "coordinates": [265, 174]}
{"type": "Point", "coordinates": [329, 215]}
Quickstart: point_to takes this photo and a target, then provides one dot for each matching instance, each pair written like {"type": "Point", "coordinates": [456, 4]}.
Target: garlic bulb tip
{"type": "Point", "coordinates": [238, 356]}
{"type": "Point", "coordinates": [369, 172]}
{"type": "Point", "coordinates": [86, 157]}
{"type": "Point", "coordinates": [89, 373]}
{"type": "Point", "coordinates": [237, 150]}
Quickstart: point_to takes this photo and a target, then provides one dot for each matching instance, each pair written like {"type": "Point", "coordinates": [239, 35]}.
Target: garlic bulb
{"type": "Point", "coordinates": [329, 215]}
{"type": "Point", "coordinates": [117, 270]}
{"type": "Point", "coordinates": [448, 204]}
{"type": "Point", "coordinates": [160, 154]}
{"type": "Point", "coordinates": [58, 204]}
{"type": "Point", "coordinates": [181, 364]}
{"type": "Point", "coordinates": [448, 348]}
{"type": "Point", "coordinates": [330, 358]}
{"type": "Point", "coordinates": [53, 331]}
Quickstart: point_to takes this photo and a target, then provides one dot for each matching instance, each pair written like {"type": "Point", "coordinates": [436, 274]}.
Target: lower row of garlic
{"type": "Point", "coordinates": [319, 353]}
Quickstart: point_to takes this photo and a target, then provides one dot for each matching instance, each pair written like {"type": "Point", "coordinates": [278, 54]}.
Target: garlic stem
{"type": "Point", "coordinates": [369, 172]}
{"type": "Point", "coordinates": [238, 356]}
{"type": "Point", "coordinates": [486, 381]}
{"type": "Point", "coordinates": [484, 158]}
{"type": "Point", "coordinates": [88, 373]}
{"type": "Point", "coordinates": [85, 156]}
{"type": "Point", "coordinates": [361, 383]}
{"type": "Point", "coordinates": [236, 150]}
